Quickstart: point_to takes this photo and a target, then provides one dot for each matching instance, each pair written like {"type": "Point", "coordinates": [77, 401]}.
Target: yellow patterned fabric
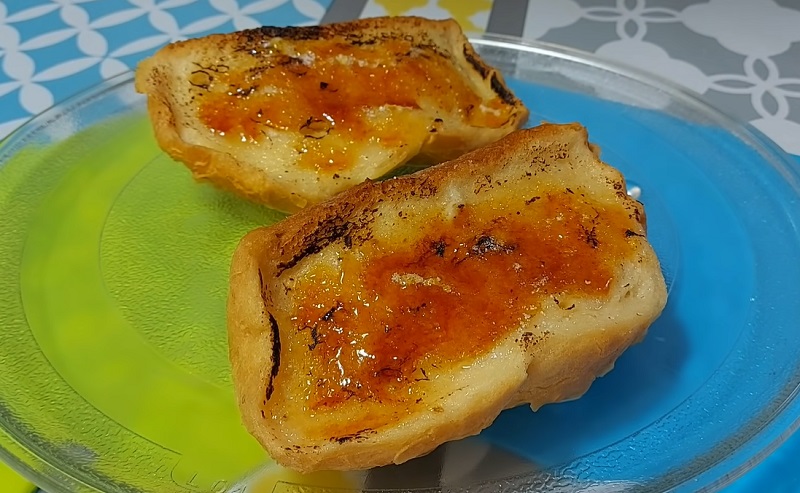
{"type": "Point", "coordinates": [472, 15]}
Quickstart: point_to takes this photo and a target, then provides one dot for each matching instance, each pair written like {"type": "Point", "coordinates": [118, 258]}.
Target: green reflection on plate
{"type": "Point", "coordinates": [123, 267]}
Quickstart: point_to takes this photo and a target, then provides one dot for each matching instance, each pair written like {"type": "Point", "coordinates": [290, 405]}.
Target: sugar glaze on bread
{"type": "Point", "coordinates": [402, 314]}
{"type": "Point", "coordinates": [291, 116]}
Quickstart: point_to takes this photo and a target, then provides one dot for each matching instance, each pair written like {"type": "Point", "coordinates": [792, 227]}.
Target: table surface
{"type": "Point", "coordinates": [742, 56]}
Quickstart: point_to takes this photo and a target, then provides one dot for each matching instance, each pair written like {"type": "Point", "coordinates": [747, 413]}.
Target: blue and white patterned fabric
{"type": "Point", "coordinates": [97, 40]}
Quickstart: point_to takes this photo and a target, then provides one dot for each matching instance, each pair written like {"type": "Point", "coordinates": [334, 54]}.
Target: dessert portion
{"type": "Point", "coordinates": [406, 313]}
{"type": "Point", "coordinates": [291, 116]}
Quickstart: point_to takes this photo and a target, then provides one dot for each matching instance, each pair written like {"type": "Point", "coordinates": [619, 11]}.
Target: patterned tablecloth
{"type": "Point", "coordinates": [742, 56]}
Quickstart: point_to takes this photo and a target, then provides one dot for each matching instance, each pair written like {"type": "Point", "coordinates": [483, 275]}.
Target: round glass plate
{"type": "Point", "coordinates": [114, 374]}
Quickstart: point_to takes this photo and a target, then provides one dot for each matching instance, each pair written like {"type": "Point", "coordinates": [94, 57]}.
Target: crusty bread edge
{"type": "Point", "coordinates": [224, 171]}
{"type": "Point", "coordinates": [217, 167]}
{"type": "Point", "coordinates": [582, 360]}
{"type": "Point", "coordinates": [245, 304]}
{"type": "Point", "coordinates": [248, 303]}
{"type": "Point", "coordinates": [260, 243]}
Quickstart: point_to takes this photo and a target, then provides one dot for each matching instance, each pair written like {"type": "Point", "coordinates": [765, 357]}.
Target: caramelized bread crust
{"type": "Point", "coordinates": [291, 116]}
{"type": "Point", "coordinates": [402, 314]}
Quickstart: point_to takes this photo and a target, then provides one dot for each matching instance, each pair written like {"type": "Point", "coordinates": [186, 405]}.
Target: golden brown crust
{"type": "Point", "coordinates": [219, 168]}
{"type": "Point", "coordinates": [572, 334]}
{"type": "Point", "coordinates": [270, 169]}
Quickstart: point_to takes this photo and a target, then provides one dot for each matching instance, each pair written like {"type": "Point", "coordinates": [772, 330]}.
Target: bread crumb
{"type": "Point", "coordinates": [406, 280]}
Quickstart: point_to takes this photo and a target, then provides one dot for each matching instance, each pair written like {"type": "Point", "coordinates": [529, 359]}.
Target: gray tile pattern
{"type": "Point", "coordinates": [702, 51]}
{"type": "Point", "coordinates": [702, 44]}
{"type": "Point", "coordinates": [505, 17]}
{"type": "Point", "coordinates": [343, 10]}
{"type": "Point", "coordinates": [586, 35]}
{"type": "Point", "coordinates": [789, 64]}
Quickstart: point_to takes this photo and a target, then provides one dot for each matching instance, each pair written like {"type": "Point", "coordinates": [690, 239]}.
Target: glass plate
{"type": "Point", "coordinates": [114, 374]}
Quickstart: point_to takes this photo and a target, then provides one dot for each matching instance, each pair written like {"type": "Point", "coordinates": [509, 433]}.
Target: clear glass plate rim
{"type": "Point", "coordinates": [745, 132]}
{"type": "Point", "coordinates": [770, 151]}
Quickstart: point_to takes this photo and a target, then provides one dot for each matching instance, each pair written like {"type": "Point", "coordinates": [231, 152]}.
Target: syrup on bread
{"type": "Point", "coordinates": [291, 116]}
{"type": "Point", "coordinates": [402, 314]}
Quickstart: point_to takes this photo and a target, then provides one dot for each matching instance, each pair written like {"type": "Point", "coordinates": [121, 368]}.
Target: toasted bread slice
{"type": "Point", "coordinates": [291, 116]}
{"type": "Point", "coordinates": [405, 313]}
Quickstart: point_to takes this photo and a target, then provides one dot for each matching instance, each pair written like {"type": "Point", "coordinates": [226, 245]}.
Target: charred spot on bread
{"type": "Point", "coordinates": [275, 333]}
{"type": "Point", "coordinates": [262, 290]}
{"type": "Point", "coordinates": [501, 90]}
{"type": "Point", "coordinates": [438, 247]}
{"type": "Point", "coordinates": [528, 339]}
{"type": "Point", "coordinates": [219, 104]}
{"type": "Point", "coordinates": [532, 200]}
{"type": "Point", "coordinates": [476, 64]}
{"type": "Point", "coordinates": [357, 436]}
{"type": "Point", "coordinates": [591, 236]}
{"type": "Point", "coordinates": [256, 35]}
{"type": "Point", "coordinates": [488, 244]}
{"type": "Point", "coordinates": [418, 310]}
{"type": "Point", "coordinates": [330, 230]}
